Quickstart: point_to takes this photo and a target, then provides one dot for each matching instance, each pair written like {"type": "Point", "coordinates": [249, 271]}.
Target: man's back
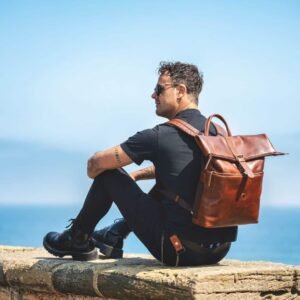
{"type": "Point", "coordinates": [179, 159]}
{"type": "Point", "coordinates": [178, 162]}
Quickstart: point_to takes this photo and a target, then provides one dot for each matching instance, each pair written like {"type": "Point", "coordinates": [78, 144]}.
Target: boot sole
{"type": "Point", "coordinates": [108, 251]}
{"type": "Point", "coordinates": [82, 256]}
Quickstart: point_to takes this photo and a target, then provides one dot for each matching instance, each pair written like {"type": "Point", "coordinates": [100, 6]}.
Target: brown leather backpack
{"type": "Point", "coordinates": [230, 184]}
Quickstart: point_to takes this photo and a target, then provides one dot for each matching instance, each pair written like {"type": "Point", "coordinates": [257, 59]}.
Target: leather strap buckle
{"type": "Point", "coordinates": [177, 244]}
{"type": "Point", "coordinates": [243, 166]}
{"type": "Point", "coordinates": [176, 198]}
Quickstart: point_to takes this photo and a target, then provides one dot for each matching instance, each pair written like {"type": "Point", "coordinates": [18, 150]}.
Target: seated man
{"type": "Point", "coordinates": [164, 227]}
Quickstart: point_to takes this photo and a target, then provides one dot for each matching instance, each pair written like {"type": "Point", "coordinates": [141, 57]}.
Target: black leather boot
{"type": "Point", "coordinates": [109, 240]}
{"type": "Point", "coordinates": [71, 242]}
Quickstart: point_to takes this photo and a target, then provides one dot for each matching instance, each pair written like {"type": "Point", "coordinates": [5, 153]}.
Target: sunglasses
{"type": "Point", "coordinates": [160, 88]}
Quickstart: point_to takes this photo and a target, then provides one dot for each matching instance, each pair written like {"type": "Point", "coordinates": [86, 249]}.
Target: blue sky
{"type": "Point", "coordinates": [76, 77]}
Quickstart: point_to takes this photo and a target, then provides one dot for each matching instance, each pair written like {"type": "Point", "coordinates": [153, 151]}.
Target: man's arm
{"type": "Point", "coordinates": [112, 158]}
{"type": "Point", "coordinates": [147, 173]}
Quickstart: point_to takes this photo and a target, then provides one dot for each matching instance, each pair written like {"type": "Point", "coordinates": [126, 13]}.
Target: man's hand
{"type": "Point", "coordinates": [132, 176]}
{"type": "Point", "coordinates": [109, 159]}
{"type": "Point", "coordinates": [147, 173]}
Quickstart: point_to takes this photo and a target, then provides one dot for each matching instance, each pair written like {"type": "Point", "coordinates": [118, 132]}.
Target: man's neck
{"type": "Point", "coordinates": [190, 105]}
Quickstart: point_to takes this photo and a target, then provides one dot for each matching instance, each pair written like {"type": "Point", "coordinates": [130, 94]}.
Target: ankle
{"type": "Point", "coordinates": [79, 235]}
{"type": "Point", "coordinates": [76, 231]}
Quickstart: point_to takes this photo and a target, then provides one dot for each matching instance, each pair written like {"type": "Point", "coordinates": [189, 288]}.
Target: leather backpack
{"type": "Point", "coordinates": [230, 185]}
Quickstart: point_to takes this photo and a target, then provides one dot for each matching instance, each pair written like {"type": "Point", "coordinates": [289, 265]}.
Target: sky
{"type": "Point", "coordinates": [76, 77]}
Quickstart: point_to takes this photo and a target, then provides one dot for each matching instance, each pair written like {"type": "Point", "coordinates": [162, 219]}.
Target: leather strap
{"type": "Point", "coordinates": [185, 127]}
{"type": "Point", "coordinates": [191, 130]}
{"type": "Point", "coordinates": [208, 121]}
{"type": "Point", "coordinates": [220, 130]}
{"type": "Point", "coordinates": [176, 198]}
{"type": "Point", "coordinates": [177, 244]}
{"type": "Point", "coordinates": [242, 164]}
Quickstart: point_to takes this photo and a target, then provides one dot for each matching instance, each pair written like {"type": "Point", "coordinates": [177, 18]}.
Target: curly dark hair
{"type": "Point", "coordinates": [182, 73]}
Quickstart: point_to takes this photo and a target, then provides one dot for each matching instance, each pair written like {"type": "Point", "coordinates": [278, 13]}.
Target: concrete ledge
{"type": "Point", "coordinates": [32, 273]}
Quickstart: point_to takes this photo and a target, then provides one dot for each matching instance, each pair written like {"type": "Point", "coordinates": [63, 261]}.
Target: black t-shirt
{"type": "Point", "coordinates": [178, 161]}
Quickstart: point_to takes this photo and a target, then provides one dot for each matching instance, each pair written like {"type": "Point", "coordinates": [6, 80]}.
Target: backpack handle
{"type": "Point", "coordinates": [208, 121]}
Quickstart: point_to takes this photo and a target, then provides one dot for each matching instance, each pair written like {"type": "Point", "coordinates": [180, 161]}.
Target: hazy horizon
{"type": "Point", "coordinates": [45, 175]}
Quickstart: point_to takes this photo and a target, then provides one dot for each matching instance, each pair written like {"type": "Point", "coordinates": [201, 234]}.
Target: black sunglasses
{"type": "Point", "coordinates": [160, 88]}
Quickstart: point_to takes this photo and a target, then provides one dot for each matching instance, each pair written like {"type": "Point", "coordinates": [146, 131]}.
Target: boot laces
{"type": "Point", "coordinates": [75, 232]}
{"type": "Point", "coordinates": [71, 224]}
{"type": "Point", "coordinates": [118, 220]}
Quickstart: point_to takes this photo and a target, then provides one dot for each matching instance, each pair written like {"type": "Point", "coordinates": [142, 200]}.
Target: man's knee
{"type": "Point", "coordinates": [116, 182]}
{"type": "Point", "coordinates": [112, 174]}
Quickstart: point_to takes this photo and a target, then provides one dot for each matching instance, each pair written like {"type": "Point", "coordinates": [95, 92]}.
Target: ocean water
{"type": "Point", "coordinates": [276, 238]}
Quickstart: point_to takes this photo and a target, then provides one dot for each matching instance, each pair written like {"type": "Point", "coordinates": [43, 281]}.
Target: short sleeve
{"type": "Point", "coordinates": [141, 146]}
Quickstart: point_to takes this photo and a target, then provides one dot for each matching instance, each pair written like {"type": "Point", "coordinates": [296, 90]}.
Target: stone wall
{"type": "Point", "coordinates": [31, 273]}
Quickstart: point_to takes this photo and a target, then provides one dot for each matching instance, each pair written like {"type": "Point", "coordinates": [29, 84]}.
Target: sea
{"type": "Point", "coordinates": [275, 238]}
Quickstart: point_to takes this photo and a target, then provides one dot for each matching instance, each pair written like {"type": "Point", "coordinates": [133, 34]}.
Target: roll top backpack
{"type": "Point", "coordinates": [230, 185]}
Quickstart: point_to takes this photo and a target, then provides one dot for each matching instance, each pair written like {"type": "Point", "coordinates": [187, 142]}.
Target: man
{"type": "Point", "coordinates": [163, 226]}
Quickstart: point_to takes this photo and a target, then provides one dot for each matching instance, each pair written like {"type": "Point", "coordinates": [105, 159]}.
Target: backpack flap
{"type": "Point", "coordinates": [229, 147]}
{"type": "Point", "coordinates": [238, 149]}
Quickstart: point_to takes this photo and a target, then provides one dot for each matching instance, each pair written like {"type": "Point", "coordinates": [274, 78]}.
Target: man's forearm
{"type": "Point", "coordinates": [112, 158]}
{"type": "Point", "coordinates": [143, 174]}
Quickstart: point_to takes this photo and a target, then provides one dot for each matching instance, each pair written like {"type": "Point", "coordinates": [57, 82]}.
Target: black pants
{"type": "Point", "coordinates": [145, 216]}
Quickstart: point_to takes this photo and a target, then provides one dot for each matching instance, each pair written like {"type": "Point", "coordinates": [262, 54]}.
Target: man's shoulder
{"type": "Point", "coordinates": [164, 127]}
{"type": "Point", "coordinates": [197, 121]}
{"type": "Point", "coordinates": [194, 118]}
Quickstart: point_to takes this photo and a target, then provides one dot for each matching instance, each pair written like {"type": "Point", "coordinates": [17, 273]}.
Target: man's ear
{"type": "Point", "coordinates": [181, 90]}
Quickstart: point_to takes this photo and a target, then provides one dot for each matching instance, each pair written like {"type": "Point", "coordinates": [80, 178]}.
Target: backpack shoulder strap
{"type": "Point", "coordinates": [185, 127]}
{"type": "Point", "coordinates": [191, 130]}
{"type": "Point", "coordinates": [173, 196]}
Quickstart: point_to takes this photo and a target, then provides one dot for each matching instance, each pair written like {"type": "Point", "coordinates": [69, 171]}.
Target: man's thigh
{"type": "Point", "coordinates": [144, 214]}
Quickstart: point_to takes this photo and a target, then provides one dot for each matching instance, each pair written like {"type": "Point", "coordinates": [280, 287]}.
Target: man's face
{"type": "Point", "coordinates": [166, 101]}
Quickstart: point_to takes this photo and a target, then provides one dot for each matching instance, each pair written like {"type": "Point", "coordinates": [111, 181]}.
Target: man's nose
{"type": "Point", "coordinates": [154, 96]}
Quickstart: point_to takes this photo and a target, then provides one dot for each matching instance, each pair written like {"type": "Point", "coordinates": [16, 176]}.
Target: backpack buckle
{"type": "Point", "coordinates": [243, 166]}
{"type": "Point", "coordinates": [177, 244]}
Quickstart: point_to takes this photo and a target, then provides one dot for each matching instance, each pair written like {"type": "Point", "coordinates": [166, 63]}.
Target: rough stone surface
{"type": "Point", "coordinates": [83, 279]}
{"type": "Point", "coordinates": [32, 273]}
{"type": "Point", "coordinates": [297, 280]}
{"type": "Point", "coordinates": [2, 278]}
